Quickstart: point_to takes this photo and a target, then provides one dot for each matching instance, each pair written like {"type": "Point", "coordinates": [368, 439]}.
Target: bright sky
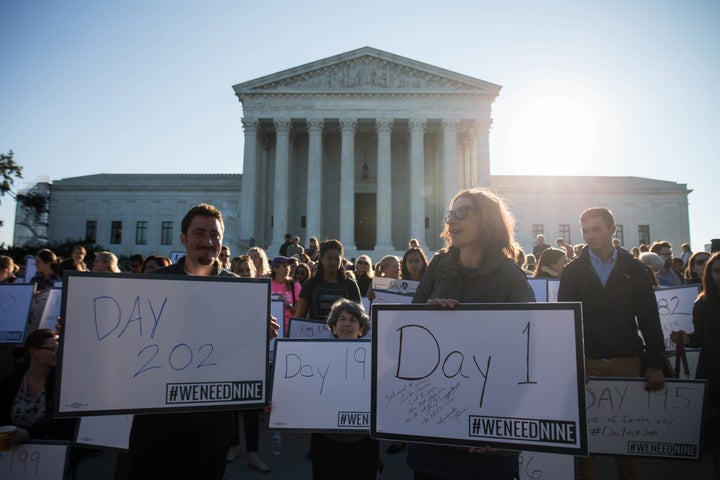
{"type": "Point", "coordinates": [598, 87]}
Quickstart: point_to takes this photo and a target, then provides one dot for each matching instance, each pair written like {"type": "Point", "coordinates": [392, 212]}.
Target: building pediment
{"type": "Point", "coordinates": [366, 70]}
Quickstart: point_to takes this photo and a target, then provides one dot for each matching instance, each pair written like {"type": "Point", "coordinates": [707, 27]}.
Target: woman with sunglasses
{"type": "Point", "coordinates": [696, 267]}
{"type": "Point", "coordinates": [476, 266]}
{"type": "Point", "coordinates": [27, 394]}
{"type": "Point", "coordinates": [364, 274]}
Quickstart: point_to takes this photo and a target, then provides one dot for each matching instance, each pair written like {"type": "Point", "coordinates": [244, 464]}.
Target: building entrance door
{"type": "Point", "coordinates": [365, 221]}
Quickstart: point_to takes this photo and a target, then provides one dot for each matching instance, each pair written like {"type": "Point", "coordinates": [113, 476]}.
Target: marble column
{"type": "Point", "coordinates": [249, 181]}
{"type": "Point", "coordinates": [417, 179]}
{"type": "Point", "coordinates": [282, 179]}
{"type": "Point", "coordinates": [384, 186]}
{"type": "Point", "coordinates": [264, 232]}
{"type": "Point", "coordinates": [347, 183]}
{"type": "Point", "coordinates": [469, 157]}
{"type": "Point", "coordinates": [482, 144]}
{"type": "Point", "coordinates": [450, 168]}
{"type": "Point", "coordinates": [314, 176]}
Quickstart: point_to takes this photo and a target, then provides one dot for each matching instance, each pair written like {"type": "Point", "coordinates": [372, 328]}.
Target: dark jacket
{"type": "Point", "coordinates": [498, 279]}
{"type": "Point", "coordinates": [610, 312]}
{"type": "Point", "coordinates": [706, 319]}
{"type": "Point", "coordinates": [173, 431]}
{"type": "Point", "coordinates": [45, 428]}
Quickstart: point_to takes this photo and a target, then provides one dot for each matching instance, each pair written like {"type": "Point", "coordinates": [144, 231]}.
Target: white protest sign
{"type": "Point", "coordinates": [392, 290]}
{"type": "Point", "coordinates": [321, 385]}
{"type": "Point", "coordinates": [366, 304]}
{"type": "Point", "coordinates": [15, 303]}
{"type": "Point", "coordinates": [277, 310]}
{"type": "Point", "coordinates": [386, 296]}
{"type": "Point", "coordinates": [546, 466]}
{"type": "Point", "coordinates": [30, 268]}
{"type": "Point", "coordinates": [553, 287]}
{"type": "Point", "coordinates": [624, 419]}
{"type": "Point", "coordinates": [506, 374]}
{"type": "Point", "coordinates": [35, 460]}
{"type": "Point", "coordinates": [540, 287]}
{"type": "Point", "coordinates": [112, 431]}
{"type": "Point", "coordinates": [52, 309]}
{"type": "Point", "coordinates": [675, 307]}
{"type": "Point", "coordinates": [397, 285]}
{"type": "Point", "coordinates": [306, 328]}
{"type": "Point", "coordinates": [135, 344]}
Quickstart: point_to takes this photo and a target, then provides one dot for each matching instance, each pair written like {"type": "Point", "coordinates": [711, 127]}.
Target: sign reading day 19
{"type": "Point", "coordinates": [159, 342]}
{"type": "Point", "coordinates": [321, 384]}
{"type": "Point", "coordinates": [506, 374]}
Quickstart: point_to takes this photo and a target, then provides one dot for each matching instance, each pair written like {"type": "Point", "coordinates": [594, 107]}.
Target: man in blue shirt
{"type": "Point", "coordinates": [615, 292]}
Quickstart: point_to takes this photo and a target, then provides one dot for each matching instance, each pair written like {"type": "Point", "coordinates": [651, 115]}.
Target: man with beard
{"type": "Point", "coordinates": [666, 277]}
{"type": "Point", "coordinates": [187, 445]}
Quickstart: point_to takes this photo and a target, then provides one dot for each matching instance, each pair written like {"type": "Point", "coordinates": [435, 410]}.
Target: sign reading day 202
{"type": "Point", "coordinates": [509, 375]}
{"type": "Point", "coordinates": [146, 343]}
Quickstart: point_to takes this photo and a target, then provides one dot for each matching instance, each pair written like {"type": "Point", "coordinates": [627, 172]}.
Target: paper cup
{"type": "Point", "coordinates": [4, 432]}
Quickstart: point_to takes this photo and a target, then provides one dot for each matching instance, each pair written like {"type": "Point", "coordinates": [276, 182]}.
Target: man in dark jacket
{"type": "Point", "coordinates": [615, 290]}
{"type": "Point", "coordinates": [187, 445]}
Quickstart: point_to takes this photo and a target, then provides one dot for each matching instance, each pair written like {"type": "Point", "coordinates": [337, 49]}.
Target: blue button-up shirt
{"type": "Point", "coordinates": [603, 269]}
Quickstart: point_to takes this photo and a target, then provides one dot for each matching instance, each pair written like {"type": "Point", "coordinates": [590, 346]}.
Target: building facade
{"type": "Point", "coordinates": [367, 147]}
{"type": "Point", "coordinates": [138, 213]}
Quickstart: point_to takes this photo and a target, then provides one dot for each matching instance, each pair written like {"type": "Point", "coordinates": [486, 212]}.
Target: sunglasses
{"type": "Point", "coordinates": [458, 213]}
{"type": "Point", "coordinates": [700, 262]}
{"type": "Point", "coordinates": [361, 262]}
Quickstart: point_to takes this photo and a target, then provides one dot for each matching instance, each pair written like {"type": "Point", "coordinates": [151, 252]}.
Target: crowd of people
{"type": "Point", "coordinates": [480, 263]}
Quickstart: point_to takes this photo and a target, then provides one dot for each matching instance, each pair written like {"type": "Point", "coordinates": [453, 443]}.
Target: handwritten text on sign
{"type": "Point", "coordinates": [321, 385]}
{"type": "Point", "coordinates": [46, 461]}
{"type": "Point", "coordinates": [305, 328]}
{"type": "Point", "coordinates": [675, 307]}
{"type": "Point", "coordinates": [546, 466]}
{"type": "Point", "coordinates": [506, 374]}
{"type": "Point", "coordinates": [161, 341]}
{"type": "Point", "coordinates": [624, 419]}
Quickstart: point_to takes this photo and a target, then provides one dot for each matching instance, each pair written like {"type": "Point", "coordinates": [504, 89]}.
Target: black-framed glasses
{"type": "Point", "coordinates": [700, 262]}
{"type": "Point", "coordinates": [52, 349]}
{"type": "Point", "coordinates": [458, 213]}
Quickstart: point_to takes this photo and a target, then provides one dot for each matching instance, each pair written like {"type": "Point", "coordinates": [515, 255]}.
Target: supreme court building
{"type": "Point", "coordinates": [366, 147]}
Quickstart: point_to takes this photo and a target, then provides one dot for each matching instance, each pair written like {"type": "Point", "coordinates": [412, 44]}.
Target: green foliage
{"type": "Point", "coordinates": [9, 171]}
{"type": "Point", "coordinates": [36, 204]}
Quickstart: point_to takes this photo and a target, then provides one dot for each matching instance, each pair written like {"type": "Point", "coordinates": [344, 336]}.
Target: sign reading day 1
{"type": "Point", "coordinates": [321, 384]}
{"type": "Point", "coordinates": [506, 374]}
{"type": "Point", "coordinates": [135, 344]}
